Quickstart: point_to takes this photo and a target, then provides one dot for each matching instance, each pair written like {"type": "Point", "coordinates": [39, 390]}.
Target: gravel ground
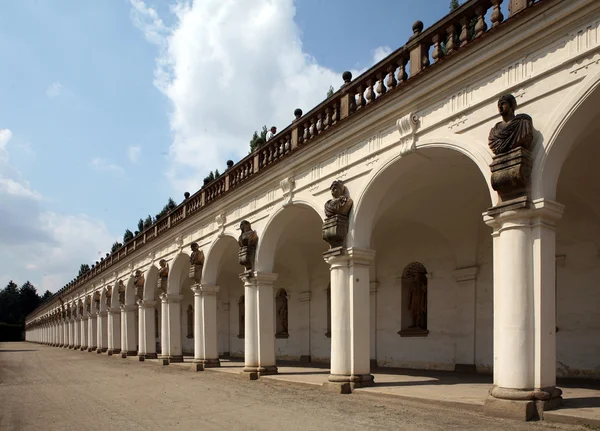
{"type": "Point", "coordinates": [48, 388]}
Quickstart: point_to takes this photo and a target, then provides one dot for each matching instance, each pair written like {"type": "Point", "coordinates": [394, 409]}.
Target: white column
{"type": "Point", "coordinates": [164, 327]}
{"type": "Point", "coordinates": [266, 322]}
{"type": "Point", "coordinates": [76, 333]}
{"type": "Point", "coordinates": [92, 333]}
{"type": "Point", "coordinates": [70, 324]}
{"type": "Point", "coordinates": [466, 279]}
{"type": "Point", "coordinates": [141, 330]}
{"type": "Point", "coordinates": [129, 341]}
{"type": "Point", "coordinates": [350, 323]}
{"type": "Point", "coordinates": [102, 331]}
{"type": "Point", "coordinates": [148, 310]}
{"type": "Point", "coordinates": [174, 326]}
{"type": "Point", "coordinates": [205, 325]}
{"type": "Point", "coordinates": [114, 330]}
{"type": "Point", "coordinates": [250, 327]}
{"type": "Point", "coordinates": [524, 311]}
{"type": "Point", "coordinates": [84, 337]}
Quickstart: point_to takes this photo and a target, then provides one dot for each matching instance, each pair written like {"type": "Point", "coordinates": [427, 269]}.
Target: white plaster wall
{"type": "Point", "coordinates": [187, 344]}
{"type": "Point", "coordinates": [484, 305]}
{"type": "Point", "coordinates": [231, 288]}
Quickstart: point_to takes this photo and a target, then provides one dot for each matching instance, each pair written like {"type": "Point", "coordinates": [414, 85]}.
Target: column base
{"type": "Point", "coordinates": [116, 351]}
{"type": "Point", "coordinates": [267, 370]}
{"type": "Point", "coordinates": [98, 351]}
{"type": "Point", "coordinates": [83, 348]}
{"type": "Point", "coordinates": [110, 352]}
{"type": "Point", "coordinates": [175, 358]}
{"type": "Point", "coordinates": [249, 374]}
{"type": "Point", "coordinates": [103, 349]}
{"type": "Point", "coordinates": [123, 355]}
{"type": "Point", "coordinates": [150, 356]}
{"type": "Point", "coordinates": [345, 384]}
{"type": "Point", "coordinates": [524, 405]}
{"type": "Point", "coordinates": [76, 347]}
{"type": "Point", "coordinates": [208, 363]}
{"type": "Point", "coordinates": [92, 349]}
{"type": "Point", "coordinates": [141, 358]}
{"type": "Point", "coordinates": [71, 346]}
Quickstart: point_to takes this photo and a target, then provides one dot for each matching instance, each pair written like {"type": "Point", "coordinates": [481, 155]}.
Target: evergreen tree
{"type": "Point", "coordinates": [127, 236]}
{"type": "Point", "coordinates": [28, 300]}
{"type": "Point", "coordinates": [46, 296]}
{"type": "Point", "coordinates": [258, 139]}
{"type": "Point", "coordinates": [140, 225]}
{"type": "Point", "coordinates": [331, 90]}
{"type": "Point", "coordinates": [83, 269]}
{"type": "Point", "coordinates": [148, 222]}
{"type": "Point", "coordinates": [454, 5]}
{"type": "Point", "coordinates": [116, 245]}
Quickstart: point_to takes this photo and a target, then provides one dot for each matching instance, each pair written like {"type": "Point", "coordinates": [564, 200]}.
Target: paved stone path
{"type": "Point", "coordinates": [57, 389]}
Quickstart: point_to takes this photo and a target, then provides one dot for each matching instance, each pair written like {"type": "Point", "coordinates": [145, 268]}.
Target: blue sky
{"type": "Point", "coordinates": [110, 107]}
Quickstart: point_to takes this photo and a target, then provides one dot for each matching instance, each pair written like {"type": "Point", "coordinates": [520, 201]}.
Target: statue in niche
{"type": "Point", "coordinates": [196, 262]}
{"type": "Point", "coordinates": [241, 317]}
{"type": "Point", "coordinates": [80, 309]}
{"type": "Point", "coordinates": [337, 209]}
{"type": "Point", "coordinates": [138, 282]}
{"type": "Point", "coordinates": [247, 241]}
{"type": "Point", "coordinates": [163, 275]}
{"type": "Point", "coordinates": [340, 204]}
{"type": "Point", "coordinates": [414, 281]}
{"type": "Point", "coordinates": [511, 141]}
{"type": "Point", "coordinates": [281, 303]}
{"type": "Point", "coordinates": [88, 306]}
{"type": "Point", "coordinates": [121, 291]}
{"type": "Point", "coordinates": [514, 131]}
{"type": "Point", "coordinates": [97, 300]}
{"type": "Point", "coordinates": [190, 321]}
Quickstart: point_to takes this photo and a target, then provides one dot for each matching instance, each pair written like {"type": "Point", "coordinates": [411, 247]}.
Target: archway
{"type": "Point", "coordinates": [577, 240]}
{"type": "Point", "coordinates": [431, 281]}
{"type": "Point", "coordinates": [149, 315]}
{"type": "Point", "coordinates": [292, 247]}
{"type": "Point", "coordinates": [174, 340]}
{"type": "Point", "coordinates": [222, 269]}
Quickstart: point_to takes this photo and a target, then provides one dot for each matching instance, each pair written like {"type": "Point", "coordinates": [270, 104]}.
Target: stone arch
{"type": "Point", "coordinates": [150, 282]}
{"type": "Point", "coordinates": [178, 272]}
{"type": "Point", "coordinates": [368, 200]}
{"type": "Point", "coordinates": [561, 135]}
{"type": "Point", "coordinates": [214, 259]}
{"type": "Point", "coordinates": [114, 299]}
{"type": "Point", "coordinates": [275, 226]}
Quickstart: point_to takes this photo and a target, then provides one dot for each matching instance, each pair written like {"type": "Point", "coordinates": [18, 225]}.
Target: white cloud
{"type": "Point", "coordinates": [380, 53]}
{"type": "Point", "coordinates": [101, 164]}
{"type": "Point", "coordinates": [228, 67]}
{"type": "Point", "coordinates": [134, 152]}
{"type": "Point", "coordinates": [38, 245]}
{"type": "Point", "coordinates": [54, 90]}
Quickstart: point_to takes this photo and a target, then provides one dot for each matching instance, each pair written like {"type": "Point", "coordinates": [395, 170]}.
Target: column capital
{"type": "Point", "coordinates": [125, 308]}
{"type": "Point", "coordinates": [102, 313]}
{"type": "Point", "coordinates": [541, 210]}
{"type": "Point", "coordinates": [170, 297]}
{"type": "Point", "coordinates": [208, 289]}
{"type": "Point", "coordinates": [146, 303]}
{"type": "Point", "coordinates": [465, 274]}
{"type": "Point", "coordinates": [114, 311]}
{"type": "Point", "coordinates": [349, 256]}
{"type": "Point", "coordinates": [256, 277]}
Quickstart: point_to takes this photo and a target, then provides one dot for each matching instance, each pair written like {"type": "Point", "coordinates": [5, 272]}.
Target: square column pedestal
{"type": "Point", "coordinates": [206, 352]}
{"type": "Point", "coordinates": [259, 336]}
{"type": "Point", "coordinates": [524, 311]}
{"type": "Point", "coordinates": [350, 328]}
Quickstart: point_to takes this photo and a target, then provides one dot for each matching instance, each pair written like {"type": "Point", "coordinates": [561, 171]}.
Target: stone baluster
{"type": "Point", "coordinates": [497, 16]}
{"type": "Point", "coordinates": [381, 90]}
{"type": "Point", "coordinates": [464, 31]}
{"type": "Point", "coordinates": [360, 101]}
{"type": "Point", "coordinates": [369, 94]}
{"type": "Point", "coordinates": [480, 26]}
{"type": "Point", "coordinates": [451, 42]}
{"type": "Point", "coordinates": [437, 53]}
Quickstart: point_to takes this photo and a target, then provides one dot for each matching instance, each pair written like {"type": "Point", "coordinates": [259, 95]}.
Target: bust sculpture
{"type": "Point", "coordinates": [340, 204]}
{"type": "Point", "coordinates": [337, 209]}
{"type": "Point", "coordinates": [247, 241]}
{"type": "Point", "coordinates": [196, 262]}
{"type": "Point", "coordinates": [138, 282]}
{"type": "Point", "coordinates": [511, 141]}
{"type": "Point", "coordinates": [514, 131]}
{"type": "Point", "coordinates": [163, 275]}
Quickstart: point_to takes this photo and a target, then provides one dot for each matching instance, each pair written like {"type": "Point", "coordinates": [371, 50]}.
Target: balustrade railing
{"type": "Point", "coordinates": [424, 49]}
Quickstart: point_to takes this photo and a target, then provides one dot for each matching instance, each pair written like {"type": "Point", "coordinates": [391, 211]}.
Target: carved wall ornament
{"type": "Point", "coordinates": [337, 209]}
{"type": "Point", "coordinates": [220, 220]}
{"type": "Point", "coordinates": [407, 127]}
{"type": "Point", "coordinates": [247, 241]}
{"type": "Point", "coordinates": [196, 262]}
{"type": "Point", "coordinates": [511, 141]}
{"type": "Point", "coordinates": [163, 276]}
{"type": "Point", "coordinates": [138, 282]}
{"type": "Point", "coordinates": [287, 186]}
{"type": "Point", "coordinates": [179, 242]}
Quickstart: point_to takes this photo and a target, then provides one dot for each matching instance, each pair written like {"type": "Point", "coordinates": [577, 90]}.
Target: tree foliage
{"type": "Point", "coordinates": [258, 139]}
{"type": "Point", "coordinates": [331, 90]}
{"type": "Point", "coordinates": [127, 236]}
{"type": "Point", "coordinates": [454, 5]}
{"type": "Point", "coordinates": [83, 269]}
{"type": "Point", "coordinates": [17, 302]}
{"type": "Point", "coordinates": [148, 222]}
{"type": "Point", "coordinates": [116, 245]}
{"type": "Point", "coordinates": [140, 225]}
